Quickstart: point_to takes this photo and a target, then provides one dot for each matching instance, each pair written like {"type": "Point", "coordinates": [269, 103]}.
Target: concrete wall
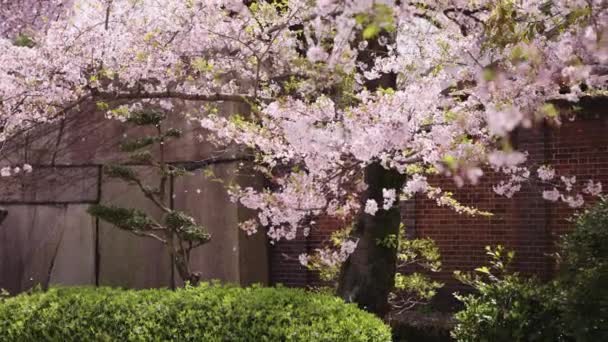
{"type": "Point", "coordinates": [48, 237]}
{"type": "Point", "coordinates": [46, 243]}
{"type": "Point", "coordinates": [230, 255]}
{"type": "Point", "coordinates": [126, 259]}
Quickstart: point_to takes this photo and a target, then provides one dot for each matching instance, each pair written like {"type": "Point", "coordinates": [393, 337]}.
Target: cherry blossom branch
{"type": "Point", "coordinates": [309, 18]}
{"type": "Point", "coordinates": [173, 95]}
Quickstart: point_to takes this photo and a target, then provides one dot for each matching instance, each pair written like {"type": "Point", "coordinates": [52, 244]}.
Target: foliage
{"type": "Point", "coordinates": [584, 275]}
{"type": "Point", "coordinates": [410, 288]}
{"type": "Point", "coordinates": [3, 294]}
{"type": "Point", "coordinates": [416, 287]}
{"type": "Point", "coordinates": [122, 172]}
{"type": "Point", "coordinates": [509, 307]}
{"type": "Point", "coordinates": [422, 325]}
{"type": "Point", "coordinates": [185, 227]}
{"type": "Point", "coordinates": [328, 261]}
{"type": "Point", "coordinates": [456, 73]}
{"type": "Point", "coordinates": [334, 88]}
{"type": "Point", "coordinates": [413, 288]}
{"type": "Point", "coordinates": [24, 41]}
{"type": "Point", "coordinates": [423, 252]}
{"type": "Point", "coordinates": [176, 229]}
{"type": "Point", "coordinates": [123, 218]}
{"type": "Point", "coordinates": [506, 306]}
{"type": "Point", "coordinates": [203, 313]}
{"type": "Point", "coordinates": [148, 117]}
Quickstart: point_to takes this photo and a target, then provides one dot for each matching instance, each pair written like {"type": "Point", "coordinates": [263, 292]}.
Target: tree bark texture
{"type": "Point", "coordinates": [368, 275]}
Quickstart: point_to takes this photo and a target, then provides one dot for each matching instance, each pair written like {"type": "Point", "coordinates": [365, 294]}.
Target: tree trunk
{"type": "Point", "coordinates": [182, 264]}
{"type": "Point", "coordinates": [3, 214]}
{"type": "Point", "coordinates": [368, 275]}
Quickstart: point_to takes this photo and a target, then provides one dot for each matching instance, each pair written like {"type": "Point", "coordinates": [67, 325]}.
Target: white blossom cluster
{"type": "Point", "coordinates": [463, 84]}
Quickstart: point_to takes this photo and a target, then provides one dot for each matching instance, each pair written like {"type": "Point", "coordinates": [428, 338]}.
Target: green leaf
{"type": "Point", "coordinates": [136, 144]}
{"type": "Point", "coordinates": [202, 65]}
{"type": "Point", "coordinates": [123, 218]}
{"type": "Point", "coordinates": [146, 117]}
{"type": "Point", "coordinates": [549, 110]}
{"type": "Point", "coordinates": [173, 133]}
{"type": "Point", "coordinates": [450, 161]}
{"type": "Point", "coordinates": [141, 157]}
{"type": "Point", "coordinates": [24, 40]}
{"type": "Point", "coordinates": [371, 31]}
{"type": "Point", "coordinates": [488, 74]}
{"type": "Point", "coordinates": [120, 171]}
{"type": "Point", "coordinates": [101, 105]}
{"type": "Point", "coordinates": [483, 270]}
{"type": "Point", "coordinates": [185, 226]}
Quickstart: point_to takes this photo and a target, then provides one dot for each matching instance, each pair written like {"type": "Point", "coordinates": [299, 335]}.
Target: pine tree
{"type": "Point", "coordinates": [176, 229]}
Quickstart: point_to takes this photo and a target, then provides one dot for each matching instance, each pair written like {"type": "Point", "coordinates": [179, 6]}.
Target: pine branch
{"type": "Point", "coordinates": [137, 144]}
{"type": "Point", "coordinates": [148, 117]}
{"type": "Point", "coordinates": [151, 235]}
{"type": "Point", "coordinates": [151, 195]}
{"type": "Point", "coordinates": [127, 219]}
{"type": "Point", "coordinates": [142, 157]}
{"type": "Point", "coordinates": [122, 172]}
{"type": "Point", "coordinates": [186, 228]}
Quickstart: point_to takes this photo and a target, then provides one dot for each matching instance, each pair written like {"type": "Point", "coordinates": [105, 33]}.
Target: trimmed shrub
{"type": "Point", "coordinates": [574, 307]}
{"type": "Point", "coordinates": [584, 275]}
{"type": "Point", "coordinates": [422, 325]}
{"type": "Point", "coordinates": [507, 306]}
{"type": "Point", "coordinates": [203, 313]}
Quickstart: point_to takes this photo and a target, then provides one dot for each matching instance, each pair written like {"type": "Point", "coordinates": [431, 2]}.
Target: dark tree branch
{"type": "Point", "coordinates": [172, 95]}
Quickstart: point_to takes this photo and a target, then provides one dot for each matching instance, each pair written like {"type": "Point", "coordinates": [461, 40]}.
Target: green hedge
{"type": "Point", "coordinates": [573, 307]}
{"type": "Point", "coordinates": [203, 313]}
{"type": "Point", "coordinates": [584, 275]}
{"type": "Point", "coordinates": [507, 306]}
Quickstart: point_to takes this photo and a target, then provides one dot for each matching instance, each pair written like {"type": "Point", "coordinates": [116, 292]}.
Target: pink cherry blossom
{"type": "Point", "coordinates": [303, 258]}
{"type": "Point", "coordinates": [5, 172]}
{"type": "Point", "coordinates": [568, 182]}
{"type": "Point", "coordinates": [575, 201]}
{"type": "Point", "coordinates": [551, 195]}
{"type": "Point", "coordinates": [389, 196]}
{"type": "Point", "coordinates": [371, 207]}
{"type": "Point", "coordinates": [317, 54]}
{"type": "Point", "coordinates": [418, 183]}
{"type": "Point", "coordinates": [250, 227]}
{"type": "Point", "coordinates": [593, 188]}
{"type": "Point", "coordinates": [313, 123]}
{"type": "Point", "coordinates": [546, 173]}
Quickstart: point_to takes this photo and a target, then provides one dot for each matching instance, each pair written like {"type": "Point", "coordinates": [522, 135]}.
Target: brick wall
{"type": "Point", "coordinates": [285, 267]}
{"type": "Point", "coordinates": [526, 223]}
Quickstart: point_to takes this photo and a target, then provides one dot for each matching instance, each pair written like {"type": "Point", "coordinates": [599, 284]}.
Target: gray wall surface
{"type": "Point", "coordinates": [48, 238]}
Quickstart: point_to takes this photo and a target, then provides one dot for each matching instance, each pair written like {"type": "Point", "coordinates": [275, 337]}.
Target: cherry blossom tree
{"type": "Point", "coordinates": [353, 104]}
